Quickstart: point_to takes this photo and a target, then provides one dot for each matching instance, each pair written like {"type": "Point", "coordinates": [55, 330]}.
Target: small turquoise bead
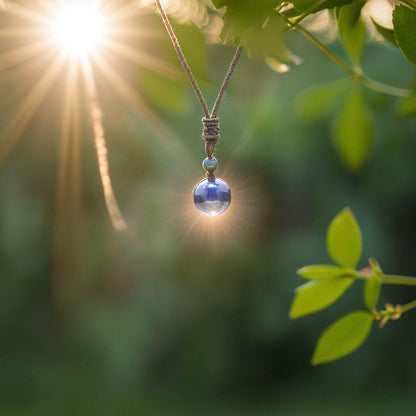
{"type": "Point", "coordinates": [210, 164]}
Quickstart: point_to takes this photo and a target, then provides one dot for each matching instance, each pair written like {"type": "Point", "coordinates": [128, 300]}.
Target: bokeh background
{"type": "Point", "coordinates": [178, 315]}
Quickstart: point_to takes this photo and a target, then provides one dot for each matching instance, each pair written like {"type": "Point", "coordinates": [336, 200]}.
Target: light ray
{"type": "Point", "coordinates": [126, 12]}
{"type": "Point", "coordinates": [21, 54]}
{"type": "Point", "coordinates": [131, 32]}
{"type": "Point", "coordinates": [143, 59]}
{"type": "Point", "coordinates": [101, 147]}
{"type": "Point", "coordinates": [36, 19]}
{"type": "Point", "coordinates": [147, 115]}
{"type": "Point", "coordinates": [25, 13]}
{"type": "Point", "coordinates": [239, 221]}
{"type": "Point", "coordinates": [69, 169]}
{"type": "Point", "coordinates": [19, 32]}
{"type": "Point", "coordinates": [28, 107]}
{"type": "Point", "coordinates": [190, 228]}
{"type": "Point", "coordinates": [67, 243]}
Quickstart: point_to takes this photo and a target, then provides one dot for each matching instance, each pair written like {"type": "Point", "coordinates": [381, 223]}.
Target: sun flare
{"type": "Point", "coordinates": [78, 27]}
{"type": "Point", "coordinates": [81, 45]}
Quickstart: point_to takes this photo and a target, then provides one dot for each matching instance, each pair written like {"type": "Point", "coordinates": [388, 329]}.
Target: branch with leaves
{"type": "Point", "coordinates": [327, 283]}
{"type": "Point", "coordinates": [264, 28]}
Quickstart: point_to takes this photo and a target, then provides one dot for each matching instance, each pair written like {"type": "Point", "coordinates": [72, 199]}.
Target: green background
{"type": "Point", "coordinates": [168, 318]}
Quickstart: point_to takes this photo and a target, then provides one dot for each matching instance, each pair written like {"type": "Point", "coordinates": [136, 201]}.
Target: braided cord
{"type": "Point", "coordinates": [210, 121]}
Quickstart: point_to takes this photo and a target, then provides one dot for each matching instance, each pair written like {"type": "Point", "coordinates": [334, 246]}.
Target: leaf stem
{"type": "Point", "coordinates": [398, 280]}
{"type": "Point", "coordinates": [386, 89]}
{"type": "Point", "coordinates": [410, 3]}
{"type": "Point", "coordinates": [357, 76]}
{"type": "Point", "coordinates": [409, 306]}
{"type": "Point", "coordinates": [308, 11]}
{"type": "Point", "coordinates": [326, 51]}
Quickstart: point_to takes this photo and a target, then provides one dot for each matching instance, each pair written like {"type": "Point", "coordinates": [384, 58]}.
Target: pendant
{"type": "Point", "coordinates": [212, 196]}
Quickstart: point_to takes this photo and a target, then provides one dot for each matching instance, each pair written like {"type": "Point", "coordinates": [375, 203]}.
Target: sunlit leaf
{"type": "Point", "coordinates": [404, 22]}
{"type": "Point", "coordinates": [320, 271]}
{"type": "Point", "coordinates": [386, 32]}
{"type": "Point", "coordinates": [342, 337]}
{"type": "Point", "coordinates": [268, 41]}
{"type": "Point", "coordinates": [352, 30]}
{"type": "Point", "coordinates": [320, 100]}
{"type": "Point", "coordinates": [261, 28]}
{"type": "Point", "coordinates": [344, 241]}
{"type": "Point", "coordinates": [372, 287]}
{"type": "Point", "coordinates": [240, 15]}
{"type": "Point", "coordinates": [354, 131]}
{"type": "Point", "coordinates": [316, 295]}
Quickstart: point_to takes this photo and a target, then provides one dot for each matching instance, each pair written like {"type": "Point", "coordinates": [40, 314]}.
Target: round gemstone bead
{"type": "Point", "coordinates": [210, 164]}
{"type": "Point", "coordinates": [212, 198]}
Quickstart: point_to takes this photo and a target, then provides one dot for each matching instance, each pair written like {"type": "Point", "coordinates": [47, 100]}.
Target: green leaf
{"type": "Point", "coordinates": [372, 287]}
{"type": "Point", "coordinates": [267, 41]}
{"type": "Point", "coordinates": [404, 22]}
{"type": "Point", "coordinates": [320, 271]}
{"type": "Point", "coordinates": [241, 15]}
{"type": "Point", "coordinates": [261, 28]}
{"type": "Point", "coordinates": [313, 6]}
{"type": "Point", "coordinates": [407, 107]}
{"type": "Point", "coordinates": [386, 32]}
{"type": "Point", "coordinates": [319, 101]}
{"type": "Point", "coordinates": [352, 30]}
{"type": "Point", "coordinates": [317, 295]}
{"type": "Point", "coordinates": [342, 337]}
{"type": "Point", "coordinates": [353, 132]}
{"type": "Point", "coordinates": [344, 241]}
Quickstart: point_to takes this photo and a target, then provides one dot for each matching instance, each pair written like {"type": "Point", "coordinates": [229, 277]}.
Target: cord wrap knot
{"type": "Point", "coordinates": [210, 134]}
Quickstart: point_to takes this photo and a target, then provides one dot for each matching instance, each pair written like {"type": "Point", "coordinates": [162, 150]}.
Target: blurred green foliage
{"type": "Point", "coordinates": [164, 319]}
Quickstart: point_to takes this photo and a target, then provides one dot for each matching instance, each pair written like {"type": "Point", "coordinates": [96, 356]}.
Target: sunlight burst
{"type": "Point", "coordinates": [78, 27]}
{"type": "Point", "coordinates": [87, 43]}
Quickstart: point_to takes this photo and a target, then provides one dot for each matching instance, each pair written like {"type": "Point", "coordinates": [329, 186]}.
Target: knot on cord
{"type": "Point", "coordinates": [210, 134]}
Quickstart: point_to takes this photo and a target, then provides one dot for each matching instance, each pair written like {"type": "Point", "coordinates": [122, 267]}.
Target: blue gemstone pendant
{"type": "Point", "coordinates": [212, 197]}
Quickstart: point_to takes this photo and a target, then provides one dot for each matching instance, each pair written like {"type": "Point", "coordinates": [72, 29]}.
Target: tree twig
{"type": "Point", "coordinates": [359, 77]}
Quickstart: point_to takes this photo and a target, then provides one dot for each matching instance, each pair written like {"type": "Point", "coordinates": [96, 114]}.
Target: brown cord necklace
{"type": "Point", "coordinates": [212, 196]}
